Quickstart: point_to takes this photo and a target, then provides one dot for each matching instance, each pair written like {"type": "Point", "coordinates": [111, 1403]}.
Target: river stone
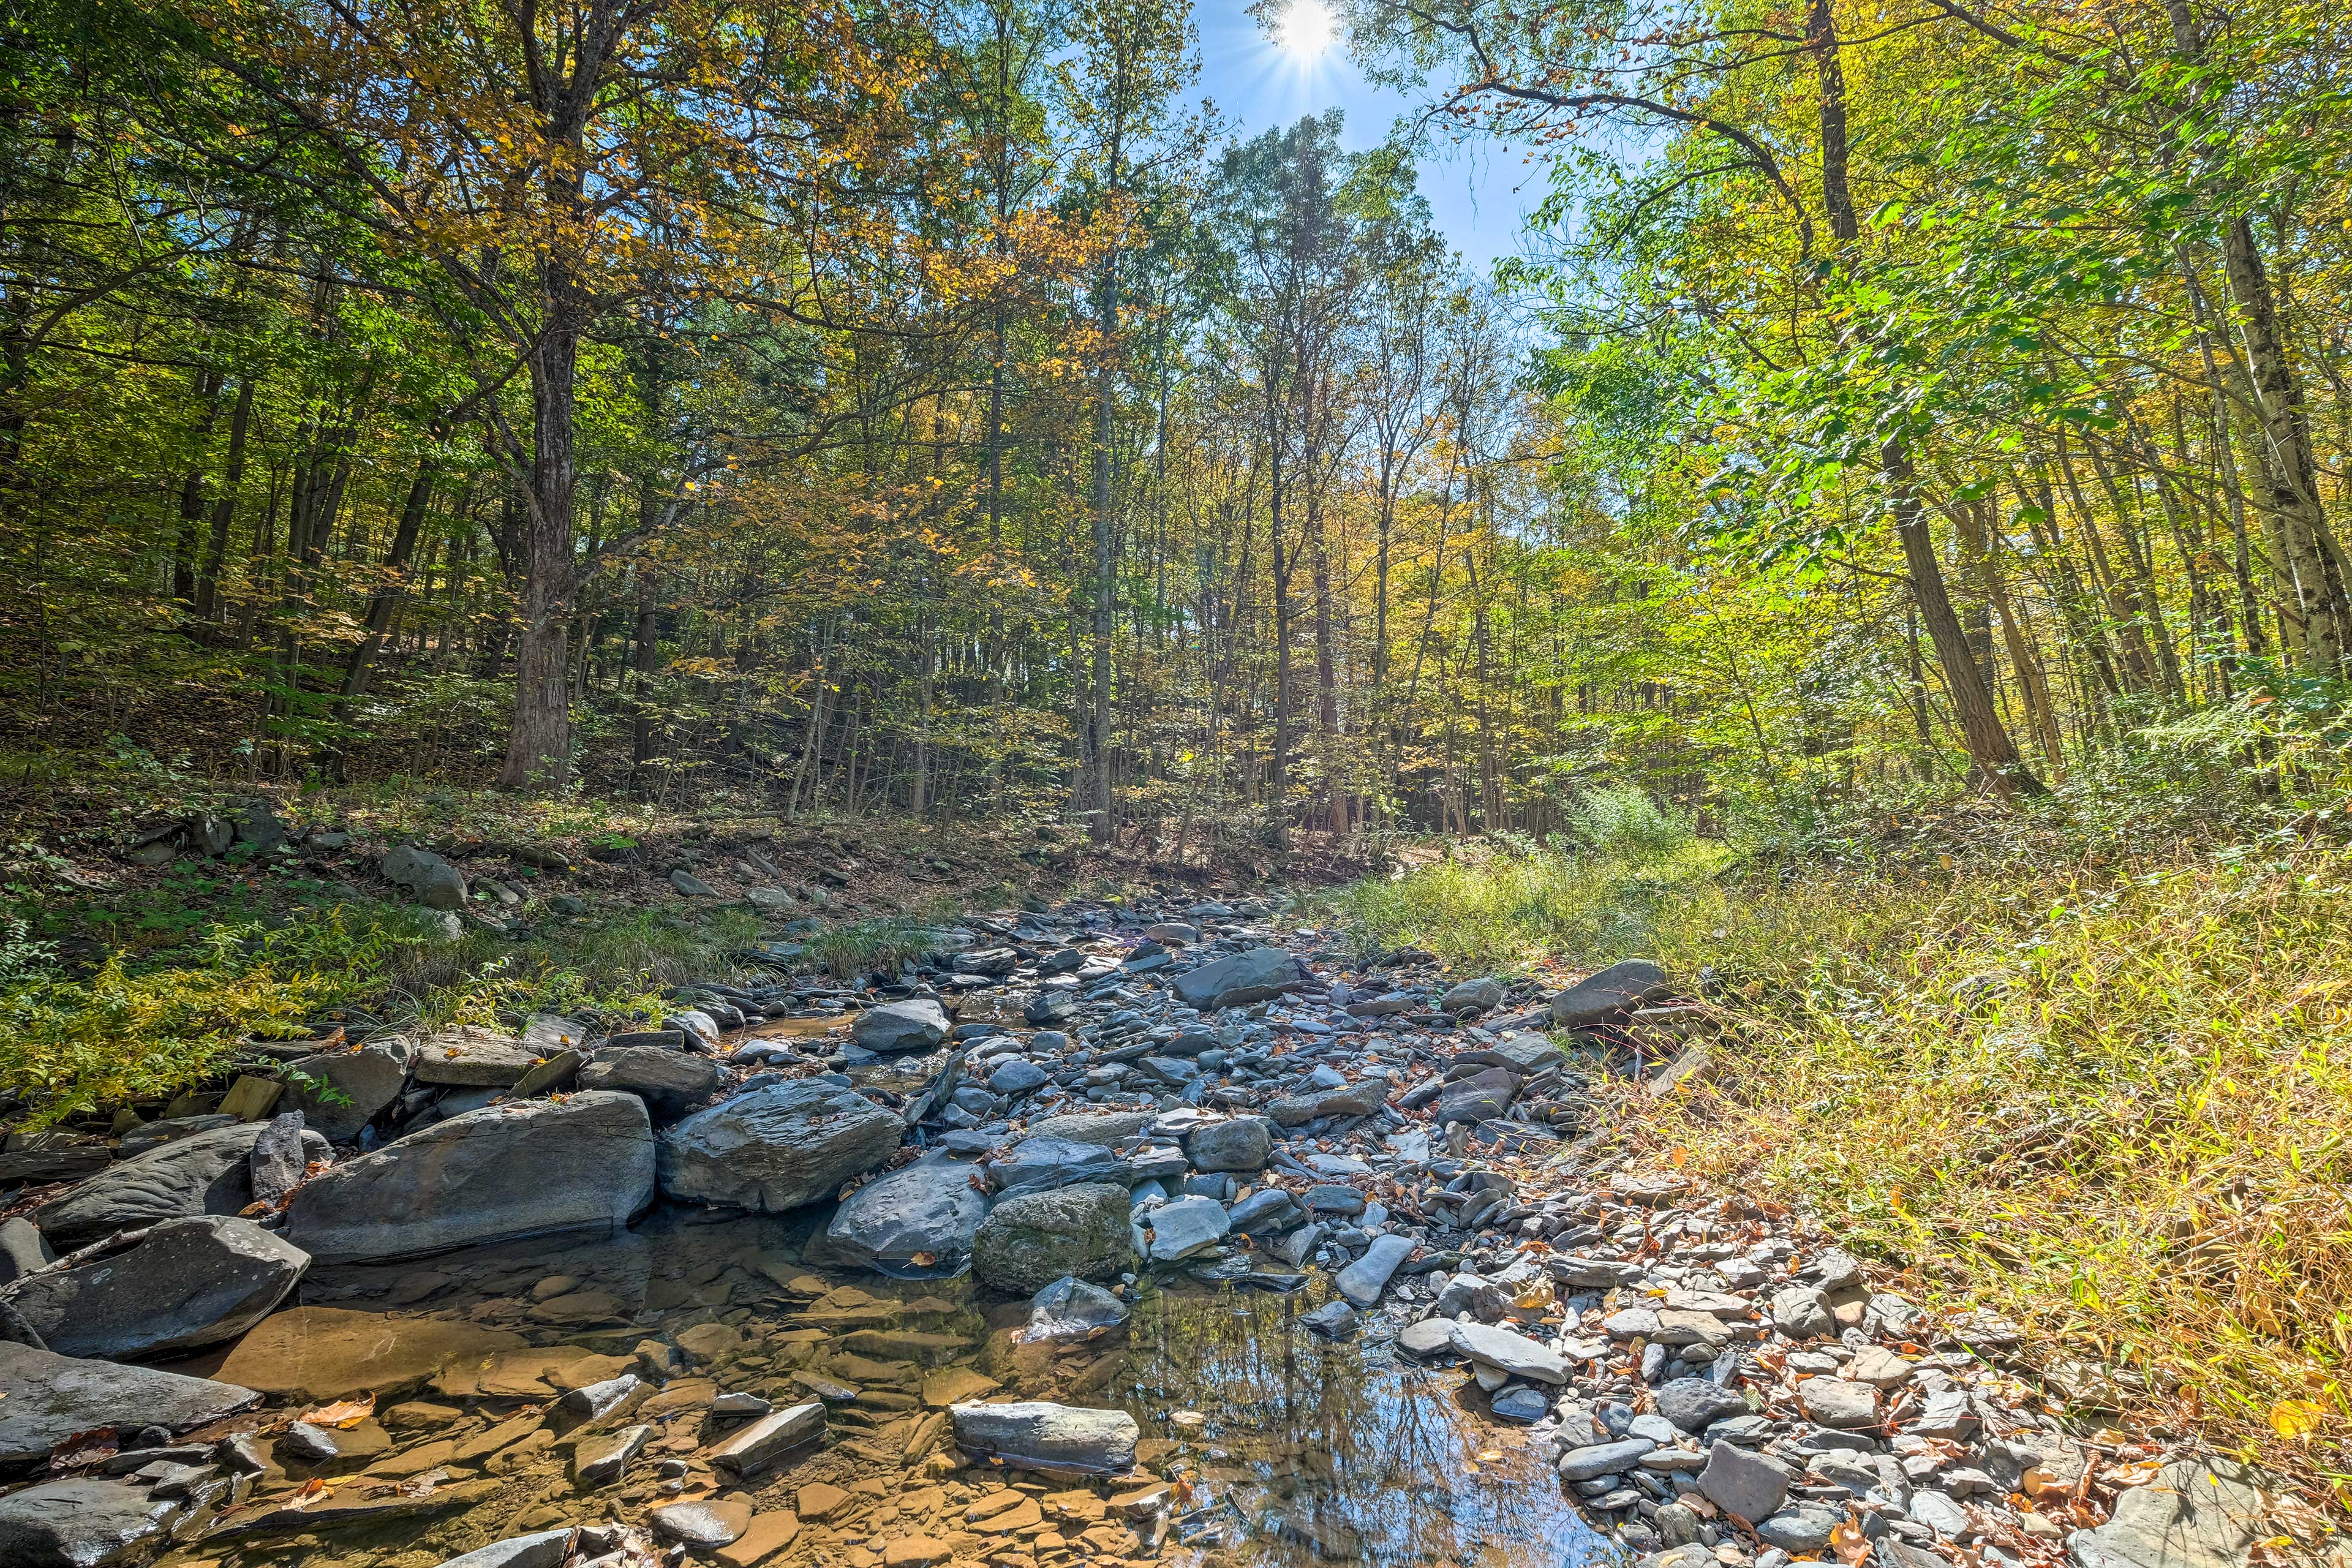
{"type": "Point", "coordinates": [429, 878]}
{"type": "Point", "coordinates": [367, 1080]}
{"type": "Point", "coordinates": [1236, 982]}
{"type": "Point", "coordinates": [929, 1210]}
{"type": "Point", "coordinates": [1105, 1128]}
{"type": "Point", "coordinates": [1800, 1313]}
{"type": "Point", "coordinates": [78, 1523]}
{"type": "Point", "coordinates": [2196, 1513]}
{"type": "Point", "coordinates": [1743, 1484]}
{"type": "Point", "coordinates": [1332, 1320]}
{"type": "Point", "coordinates": [1359, 1099]}
{"type": "Point", "coordinates": [1514, 1354]}
{"type": "Point", "coordinates": [207, 1172]}
{"type": "Point", "coordinates": [192, 1282]}
{"type": "Point", "coordinates": [1018, 1077]}
{"type": "Point", "coordinates": [1616, 989]}
{"type": "Point", "coordinates": [1597, 1460]}
{"type": "Point", "coordinates": [45, 1398]}
{"type": "Point", "coordinates": [669, 1083]}
{"type": "Point", "coordinates": [700, 1524]}
{"type": "Point", "coordinates": [777, 1147]}
{"type": "Point", "coordinates": [1181, 1228]}
{"type": "Point", "coordinates": [1484, 1096]}
{"type": "Point", "coordinates": [329, 1352]}
{"type": "Point", "coordinates": [279, 1159]}
{"type": "Point", "coordinates": [1805, 1526]}
{"type": "Point", "coordinates": [1042, 1164]}
{"type": "Point", "coordinates": [1047, 1437]}
{"type": "Point", "coordinates": [1363, 1280]}
{"type": "Point", "coordinates": [472, 1057]}
{"type": "Point", "coordinates": [1472, 997]}
{"type": "Point", "coordinates": [1070, 1309]}
{"type": "Point", "coordinates": [770, 1438]}
{"type": "Point", "coordinates": [22, 1249]}
{"type": "Point", "coordinates": [1030, 1241]}
{"type": "Point", "coordinates": [901, 1026]}
{"type": "Point", "coordinates": [499, 1173]}
{"type": "Point", "coordinates": [1694, 1404]}
{"type": "Point", "coordinates": [1265, 1212]}
{"type": "Point", "coordinates": [1427, 1340]}
{"type": "Point", "coordinates": [1244, 1143]}
{"type": "Point", "coordinates": [1838, 1402]}
{"type": "Point", "coordinates": [545, 1549]}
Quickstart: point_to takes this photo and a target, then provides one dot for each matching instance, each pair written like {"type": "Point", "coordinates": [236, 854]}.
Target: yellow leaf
{"type": "Point", "coordinates": [2295, 1419]}
{"type": "Point", "coordinates": [344, 1413]}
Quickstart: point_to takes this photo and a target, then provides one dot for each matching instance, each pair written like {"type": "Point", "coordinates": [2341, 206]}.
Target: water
{"type": "Point", "coordinates": [1280, 1447]}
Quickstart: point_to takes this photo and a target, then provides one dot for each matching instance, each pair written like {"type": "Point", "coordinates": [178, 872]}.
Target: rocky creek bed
{"type": "Point", "coordinates": [1108, 1234]}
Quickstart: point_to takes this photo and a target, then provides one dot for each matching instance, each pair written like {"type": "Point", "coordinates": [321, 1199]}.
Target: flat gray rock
{"type": "Point", "coordinates": [83, 1522]}
{"type": "Point", "coordinates": [898, 1027]}
{"type": "Point", "coordinates": [1244, 1145]}
{"type": "Point", "coordinates": [1042, 1164]}
{"type": "Point", "coordinates": [499, 1173]}
{"type": "Point", "coordinates": [545, 1549]}
{"type": "Point", "coordinates": [1741, 1483]}
{"type": "Point", "coordinates": [1237, 981]}
{"type": "Point", "coordinates": [777, 1147]}
{"type": "Point", "coordinates": [1104, 1127]}
{"type": "Point", "coordinates": [671, 1083]}
{"type": "Point", "coordinates": [1838, 1402]}
{"type": "Point", "coordinates": [916, 1222]}
{"type": "Point", "coordinates": [1188, 1225]}
{"type": "Point", "coordinates": [1363, 1280]}
{"type": "Point", "coordinates": [1048, 1437]}
{"type": "Point", "coordinates": [1801, 1527]}
{"type": "Point", "coordinates": [1514, 1354]}
{"type": "Point", "coordinates": [472, 1057]}
{"type": "Point", "coordinates": [770, 1438]}
{"type": "Point", "coordinates": [1694, 1404]}
{"type": "Point", "coordinates": [1597, 1460]}
{"type": "Point", "coordinates": [207, 1172]}
{"type": "Point", "coordinates": [1617, 989]}
{"type": "Point", "coordinates": [192, 1282]}
{"type": "Point", "coordinates": [1071, 1308]}
{"type": "Point", "coordinates": [1359, 1099]}
{"type": "Point", "coordinates": [50, 1397]}
{"type": "Point", "coordinates": [2195, 1514]}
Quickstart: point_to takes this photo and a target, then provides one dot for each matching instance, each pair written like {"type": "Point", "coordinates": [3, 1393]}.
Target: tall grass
{"type": "Point", "coordinates": [2112, 1101]}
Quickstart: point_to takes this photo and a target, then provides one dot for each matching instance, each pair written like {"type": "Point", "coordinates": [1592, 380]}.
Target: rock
{"type": "Point", "coordinates": [22, 1249]}
{"type": "Point", "coordinates": [1017, 1077]}
{"type": "Point", "coordinates": [1597, 1460]}
{"type": "Point", "coordinates": [1042, 1164]}
{"type": "Point", "coordinates": [473, 1058]}
{"type": "Point", "coordinates": [1800, 1313]}
{"type": "Point", "coordinates": [79, 1523]}
{"type": "Point", "coordinates": [1484, 1096]}
{"type": "Point", "coordinates": [700, 1524]}
{"type": "Point", "coordinates": [1049, 1006]}
{"type": "Point", "coordinates": [777, 1147]}
{"type": "Point", "coordinates": [495, 1174]}
{"type": "Point", "coordinates": [424, 875]}
{"type": "Point", "coordinates": [2196, 1513]}
{"type": "Point", "coordinates": [1070, 1309]}
{"type": "Point", "coordinates": [771, 900]}
{"type": "Point", "coordinates": [1048, 1437]}
{"type": "Point", "coordinates": [1030, 1241]}
{"type": "Point", "coordinates": [691, 886]}
{"type": "Point", "coordinates": [1185, 1226]}
{"type": "Point", "coordinates": [1472, 997]}
{"type": "Point", "coordinates": [190, 1283]}
{"type": "Point", "coordinates": [1521, 1404]}
{"type": "Point", "coordinates": [1693, 1403]}
{"type": "Point", "coordinates": [1333, 1320]}
{"type": "Point", "coordinates": [770, 1438]}
{"type": "Point", "coordinates": [1514, 1354]}
{"type": "Point", "coordinates": [1363, 1280]}
{"type": "Point", "coordinates": [1265, 1212]}
{"type": "Point", "coordinates": [1428, 1339]}
{"type": "Point", "coordinates": [770, 1533]}
{"type": "Point", "coordinates": [1803, 1527]}
{"type": "Point", "coordinates": [256, 826]}
{"type": "Point", "coordinates": [912, 1223]}
{"type": "Point", "coordinates": [1838, 1402]}
{"type": "Point", "coordinates": [901, 1026]}
{"type": "Point", "coordinates": [546, 1549]}
{"type": "Point", "coordinates": [45, 1398]}
{"type": "Point", "coordinates": [279, 1160]}
{"type": "Point", "coordinates": [1617, 989]}
{"type": "Point", "coordinates": [326, 1352]}
{"type": "Point", "coordinates": [1746, 1485]}
{"type": "Point", "coordinates": [207, 1172]}
{"type": "Point", "coordinates": [1104, 1128]}
{"type": "Point", "coordinates": [1360, 1099]}
{"type": "Point", "coordinates": [1243, 1143]}
{"type": "Point", "coordinates": [1237, 981]}
{"type": "Point", "coordinates": [604, 1457]}
{"type": "Point", "coordinates": [669, 1083]}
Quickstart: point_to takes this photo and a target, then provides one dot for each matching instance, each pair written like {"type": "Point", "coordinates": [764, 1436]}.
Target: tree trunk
{"type": "Point", "coordinates": [539, 742]}
{"type": "Point", "coordinates": [387, 598]}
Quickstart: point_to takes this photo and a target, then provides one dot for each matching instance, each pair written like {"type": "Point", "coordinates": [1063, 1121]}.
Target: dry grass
{"type": "Point", "coordinates": [2112, 1101]}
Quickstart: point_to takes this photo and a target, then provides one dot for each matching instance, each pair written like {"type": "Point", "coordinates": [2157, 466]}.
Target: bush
{"type": "Point", "coordinates": [1626, 824]}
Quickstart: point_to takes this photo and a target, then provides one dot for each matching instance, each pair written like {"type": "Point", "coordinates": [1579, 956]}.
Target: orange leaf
{"type": "Point", "coordinates": [344, 1413]}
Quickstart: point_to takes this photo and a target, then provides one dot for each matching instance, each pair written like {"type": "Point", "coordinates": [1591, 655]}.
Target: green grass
{"type": "Point", "coordinates": [2107, 1094]}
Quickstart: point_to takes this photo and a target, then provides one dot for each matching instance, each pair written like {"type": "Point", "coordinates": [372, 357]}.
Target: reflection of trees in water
{"type": "Point", "coordinates": [1364, 1455]}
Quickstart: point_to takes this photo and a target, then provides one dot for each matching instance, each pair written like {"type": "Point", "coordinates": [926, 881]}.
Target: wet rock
{"type": "Point", "coordinates": [1333, 1320]}
{"type": "Point", "coordinates": [2197, 1513]}
{"type": "Point", "coordinates": [424, 876]}
{"type": "Point", "coordinates": [915, 1222]}
{"type": "Point", "coordinates": [494, 1175]}
{"type": "Point", "coordinates": [1042, 1164]}
{"type": "Point", "coordinates": [546, 1549]}
{"type": "Point", "coordinates": [777, 1147]}
{"type": "Point", "coordinates": [1181, 1228]}
{"type": "Point", "coordinates": [1521, 1404]}
{"type": "Point", "coordinates": [700, 1524]}
{"type": "Point", "coordinates": [1071, 1308]}
{"type": "Point", "coordinates": [326, 1352]}
{"type": "Point", "coordinates": [192, 1282]}
{"type": "Point", "coordinates": [1048, 1437]}
{"type": "Point", "coordinates": [1617, 989]}
{"type": "Point", "coordinates": [1237, 981]}
{"type": "Point", "coordinates": [1363, 1280]}
{"type": "Point", "coordinates": [207, 1172]}
{"type": "Point", "coordinates": [901, 1026]}
{"type": "Point", "coordinates": [671, 1083]}
{"type": "Point", "coordinates": [1243, 1145]}
{"type": "Point", "coordinates": [770, 1438]}
{"type": "Point", "coordinates": [1514, 1354]}
{"type": "Point", "coordinates": [604, 1457]}
{"type": "Point", "coordinates": [45, 1398]}
{"type": "Point", "coordinates": [1032, 1240]}
{"type": "Point", "coordinates": [79, 1523]}
{"type": "Point", "coordinates": [1747, 1485]}
{"type": "Point", "coordinates": [594, 1401]}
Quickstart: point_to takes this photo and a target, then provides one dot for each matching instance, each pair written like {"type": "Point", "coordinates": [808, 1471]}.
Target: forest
{"type": "Point", "coordinates": [934, 410]}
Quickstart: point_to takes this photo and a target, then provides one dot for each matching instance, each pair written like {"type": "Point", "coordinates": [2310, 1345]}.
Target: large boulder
{"type": "Point", "coordinates": [192, 1282]}
{"type": "Point", "coordinates": [83, 1522]}
{"type": "Point", "coordinates": [913, 1223]}
{"type": "Point", "coordinates": [45, 1398]}
{"type": "Point", "coordinates": [494, 1175]}
{"type": "Point", "coordinates": [2197, 1513]}
{"type": "Point", "coordinates": [1041, 1436]}
{"type": "Point", "coordinates": [1235, 982]}
{"type": "Point", "coordinates": [204, 1173]}
{"type": "Point", "coordinates": [469, 1057]}
{"type": "Point", "coordinates": [339, 1092]}
{"type": "Point", "coordinates": [898, 1027]}
{"type": "Point", "coordinates": [1030, 1241]}
{"type": "Point", "coordinates": [424, 876]}
{"type": "Point", "coordinates": [1042, 1164]}
{"type": "Point", "coordinates": [1244, 1143]}
{"type": "Point", "coordinates": [1617, 989]}
{"type": "Point", "coordinates": [670, 1082]}
{"type": "Point", "coordinates": [777, 1147]}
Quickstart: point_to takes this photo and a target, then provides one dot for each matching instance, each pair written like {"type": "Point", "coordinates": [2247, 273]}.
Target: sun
{"type": "Point", "coordinates": [1307, 28]}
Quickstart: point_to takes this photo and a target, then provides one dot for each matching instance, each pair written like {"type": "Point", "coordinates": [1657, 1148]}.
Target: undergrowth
{"type": "Point", "coordinates": [2104, 1087]}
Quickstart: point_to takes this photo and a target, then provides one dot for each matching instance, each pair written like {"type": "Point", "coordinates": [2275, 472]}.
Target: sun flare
{"type": "Point", "coordinates": [1307, 28]}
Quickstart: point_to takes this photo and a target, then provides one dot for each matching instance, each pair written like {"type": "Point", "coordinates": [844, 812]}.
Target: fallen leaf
{"type": "Point", "coordinates": [343, 1413]}
{"type": "Point", "coordinates": [1848, 1541]}
{"type": "Point", "coordinates": [2295, 1419]}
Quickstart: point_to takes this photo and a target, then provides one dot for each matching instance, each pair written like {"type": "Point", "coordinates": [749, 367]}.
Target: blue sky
{"type": "Point", "coordinates": [1477, 193]}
